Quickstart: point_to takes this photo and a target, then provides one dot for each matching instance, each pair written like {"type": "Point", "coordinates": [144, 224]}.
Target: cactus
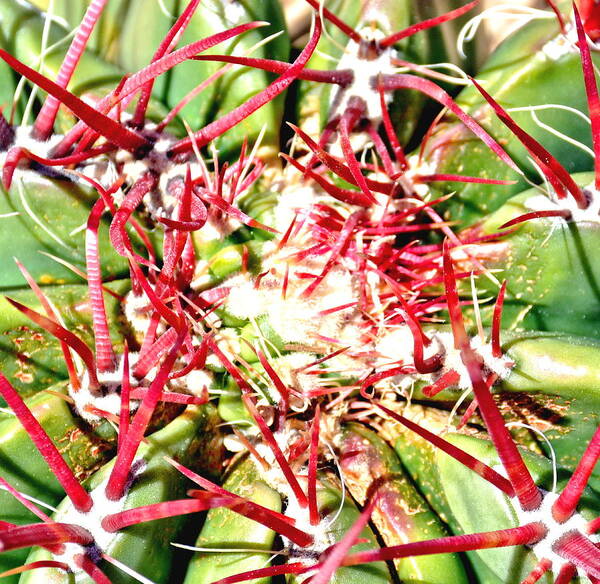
{"type": "Point", "coordinates": [314, 317]}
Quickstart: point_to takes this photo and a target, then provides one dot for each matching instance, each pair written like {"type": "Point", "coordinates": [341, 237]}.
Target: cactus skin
{"type": "Point", "coordinates": [489, 511]}
{"type": "Point", "coordinates": [370, 466]}
{"type": "Point", "coordinates": [565, 299]}
{"type": "Point", "coordinates": [326, 303]}
{"type": "Point", "coordinates": [144, 547]}
{"type": "Point", "coordinates": [83, 453]}
{"type": "Point", "coordinates": [223, 523]}
{"type": "Point", "coordinates": [520, 73]}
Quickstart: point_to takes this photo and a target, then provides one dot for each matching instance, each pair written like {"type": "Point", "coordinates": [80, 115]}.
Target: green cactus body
{"type": "Point", "coordinates": [550, 266]}
{"type": "Point", "coordinates": [420, 458]}
{"type": "Point", "coordinates": [29, 354]}
{"type": "Point", "coordinates": [533, 68]}
{"type": "Point", "coordinates": [143, 548]}
{"type": "Point", "coordinates": [83, 452]}
{"type": "Point", "coordinates": [370, 466]}
{"type": "Point", "coordinates": [492, 510]}
{"type": "Point", "coordinates": [223, 528]}
{"type": "Point", "coordinates": [46, 212]}
{"type": "Point", "coordinates": [550, 374]}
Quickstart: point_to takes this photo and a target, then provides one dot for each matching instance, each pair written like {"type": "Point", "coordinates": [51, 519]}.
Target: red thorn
{"type": "Point", "coordinates": [427, 178]}
{"type": "Point", "coordinates": [337, 553]}
{"type": "Point", "coordinates": [25, 502]}
{"type": "Point", "coordinates": [117, 521]}
{"type": "Point", "coordinates": [43, 534]}
{"type": "Point", "coordinates": [338, 167]}
{"type": "Point", "coordinates": [390, 131]}
{"type": "Point", "coordinates": [336, 251]}
{"type": "Point", "coordinates": [272, 519]}
{"type": "Point", "coordinates": [540, 569]}
{"type": "Point", "coordinates": [559, 16]}
{"type": "Point", "coordinates": [404, 81]}
{"type": "Point", "coordinates": [497, 322]}
{"type": "Point", "coordinates": [16, 154]}
{"type": "Point", "coordinates": [65, 476]}
{"type": "Point", "coordinates": [44, 122]}
{"type": "Point", "coordinates": [107, 127]}
{"type": "Point", "coordinates": [567, 502]}
{"type": "Point", "coordinates": [197, 361]}
{"type": "Point", "coordinates": [117, 482]}
{"type": "Point", "coordinates": [313, 508]}
{"type": "Point", "coordinates": [566, 574]}
{"type": "Point", "coordinates": [167, 44]}
{"type": "Point", "coordinates": [469, 413]}
{"type": "Point", "coordinates": [253, 511]}
{"type": "Point", "coordinates": [172, 397]}
{"type": "Point", "coordinates": [281, 387]}
{"type": "Point", "coordinates": [341, 77]}
{"type": "Point", "coordinates": [526, 534]}
{"type": "Point", "coordinates": [344, 195]}
{"type": "Point", "coordinates": [448, 379]}
{"type": "Point", "coordinates": [265, 430]}
{"type": "Point", "coordinates": [139, 79]}
{"type": "Point", "coordinates": [268, 572]}
{"type": "Point", "coordinates": [118, 234]}
{"type": "Point", "coordinates": [554, 171]}
{"type": "Point", "coordinates": [73, 378]}
{"type": "Point", "coordinates": [125, 395]}
{"type": "Point", "coordinates": [591, 89]}
{"type": "Point", "coordinates": [483, 470]}
{"type": "Point", "coordinates": [526, 490]}
{"type": "Point", "coordinates": [236, 213]}
{"type": "Point", "coordinates": [348, 121]}
{"type": "Point", "coordinates": [426, 24]}
{"type": "Point", "coordinates": [375, 378]}
{"type": "Point", "coordinates": [338, 22]}
{"type": "Point", "coordinates": [105, 357]}
{"type": "Point", "coordinates": [171, 317]}
{"type": "Point", "coordinates": [91, 569]}
{"type": "Point", "coordinates": [90, 136]}
{"type": "Point", "coordinates": [580, 551]}
{"type": "Point", "coordinates": [220, 126]}
{"type": "Point", "coordinates": [13, 157]}
{"type": "Point", "coordinates": [593, 526]}
{"type": "Point", "coordinates": [35, 566]}
{"type": "Point", "coordinates": [62, 334]}
{"type": "Point", "coordinates": [382, 150]}
{"type": "Point", "coordinates": [564, 213]}
{"type": "Point", "coordinates": [420, 339]}
{"type": "Point", "coordinates": [456, 318]}
{"type": "Point", "coordinates": [590, 12]}
{"type": "Point", "coordinates": [150, 356]}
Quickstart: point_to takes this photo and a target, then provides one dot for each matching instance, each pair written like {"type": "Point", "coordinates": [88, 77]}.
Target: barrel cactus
{"type": "Point", "coordinates": [315, 311]}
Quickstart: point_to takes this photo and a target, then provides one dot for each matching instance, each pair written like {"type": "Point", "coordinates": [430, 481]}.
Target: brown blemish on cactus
{"type": "Point", "coordinates": [85, 452]}
{"type": "Point", "coordinates": [543, 412]}
{"type": "Point", "coordinates": [24, 377]}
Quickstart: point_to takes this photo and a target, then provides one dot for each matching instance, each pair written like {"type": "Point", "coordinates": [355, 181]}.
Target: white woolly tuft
{"type": "Point", "coordinates": [92, 521]}
{"type": "Point", "coordinates": [365, 71]}
{"type": "Point", "coordinates": [591, 214]}
{"type": "Point", "coordinates": [545, 547]}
